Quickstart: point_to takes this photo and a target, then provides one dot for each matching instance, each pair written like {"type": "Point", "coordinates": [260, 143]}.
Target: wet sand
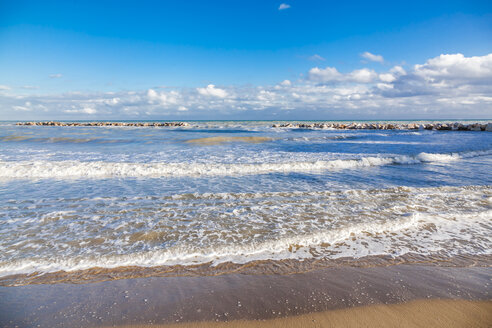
{"type": "Point", "coordinates": [298, 298]}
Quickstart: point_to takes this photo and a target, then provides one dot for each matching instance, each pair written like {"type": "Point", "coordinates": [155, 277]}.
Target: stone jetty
{"type": "Point", "coordinates": [390, 126]}
{"type": "Point", "coordinates": [457, 126]}
{"type": "Point", "coordinates": [155, 124]}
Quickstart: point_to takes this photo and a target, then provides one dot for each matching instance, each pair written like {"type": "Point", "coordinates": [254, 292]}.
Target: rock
{"type": "Point", "coordinates": [474, 127]}
{"type": "Point", "coordinates": [443, 127]}
{"type": "Point", "coordinates": [355, 126]}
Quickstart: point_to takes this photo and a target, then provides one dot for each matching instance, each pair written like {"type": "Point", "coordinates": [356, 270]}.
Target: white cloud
{"type": "Point", "coordinates": [398, 70]}
{"type": "Point", "coordinates": [387, 77]}
{"type": "Point", "coordinates": [283, 6]}
{"type": "Point", "coordinates": [316, 57]}
{"type": "Point", "coordinates": [163, 98]}
{"type": "Point", "coordinates": [328, 74]}
{"type": "Point", "coordinates": [56, 76]}
{"type": "Point", "coordinates": [21, 108]}
{"type": "Point", "coordinates": [112, 101]}
{"type": "Point", "coordinates": [89, 110]}
{"type": "Point", "coordinates": [456, 67]}
{"type": "Point", "coordinates": [4, 87]}
{"type": "Point", "coordinates": [363, 75]}
{"type": "Point", "coordinates": [375, 58]}
{"type": "Point", "coordinates": [442, 87]}
{"type": "Point", "coordinates": [211, 90]}
{"type": "Point", "coordinates": [331, 74]}
{"type": "Point", "coordinates": [83, 110]}
{"type": "Point", "coordinates": [26, 107]}
{"type": "Point", "coordinates": [393, 74]}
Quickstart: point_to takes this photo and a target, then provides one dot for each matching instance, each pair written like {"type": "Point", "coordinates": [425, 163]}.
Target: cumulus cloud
{"type": "Point", "coordinates": [212, 91]}
{"type": "Point", "coordinates": [328, 74]}
{"type": "Point", "coordinates": [283, 6]}
{"type": "Point", "coordinates": [331, 75]}
{"type": "Point", "coordinates": [448, 76]}
{"type": "Point", "coordinates": [163, 98]}
{"type": "Point", "coordinates": [89, 110]}
{"type": "Point", "coordinates": [84, 110]}
{"type": "Point", "coordinates": [363, 75]}
{"type": "Point", "coordinates": [375, 58]}
{"type": "Point", "coordinates": [56, 76]}
{"type": "Point", "coordinates": [442, 87]}
{"type": "Point", "coordinates": [456, 67]}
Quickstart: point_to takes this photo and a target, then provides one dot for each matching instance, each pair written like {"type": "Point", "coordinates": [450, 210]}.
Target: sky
{"type": "Point", "coordinates": [272, 60]}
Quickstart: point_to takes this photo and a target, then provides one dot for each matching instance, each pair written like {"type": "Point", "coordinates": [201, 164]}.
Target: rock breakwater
{"type": "Point", "coordinates": [391, 126]}
{"type": "Point", "coordinates": [155, 124]}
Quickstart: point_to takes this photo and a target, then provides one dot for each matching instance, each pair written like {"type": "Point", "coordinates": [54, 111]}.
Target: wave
{"type": "Point", "coordinates": [394, 238]}
{"type": "Point", "coordinates": [149, 231]}
{"type": "Point", "coordinates": [100, 169]}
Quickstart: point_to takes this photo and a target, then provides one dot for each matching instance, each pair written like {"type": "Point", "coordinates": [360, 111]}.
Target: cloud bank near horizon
{"type": "Point", "coordinates": [446, 86]}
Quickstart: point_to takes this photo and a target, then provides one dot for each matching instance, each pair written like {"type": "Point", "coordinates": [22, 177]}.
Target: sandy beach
{"type": "Point", "coordinates": [253, 164]}
{"type": "Point", "coordinates": [421, 313]}
{"type": "Point", "coordinates": [410, 295]}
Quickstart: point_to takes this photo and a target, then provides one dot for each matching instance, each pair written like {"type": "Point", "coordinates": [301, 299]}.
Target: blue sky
{"type": "Point", "coordinates": [55, 53]}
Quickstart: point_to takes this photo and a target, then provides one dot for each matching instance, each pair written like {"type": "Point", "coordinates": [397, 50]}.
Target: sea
{"type": "Point", "coordinates": [105, 202]}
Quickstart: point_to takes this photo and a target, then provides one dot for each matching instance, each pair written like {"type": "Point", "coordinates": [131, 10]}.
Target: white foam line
{"type": "Point", "coordinates": [99, 169]}
{"type": "Point", "coordinates": [274, 250]}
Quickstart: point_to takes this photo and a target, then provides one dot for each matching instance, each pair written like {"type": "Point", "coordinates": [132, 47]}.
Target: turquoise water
{"type": "Point", "coordinates": [78, 197]}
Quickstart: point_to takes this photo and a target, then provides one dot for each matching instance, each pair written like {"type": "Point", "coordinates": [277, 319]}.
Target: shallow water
{"type": "Point", "coordinates": [74, 198]}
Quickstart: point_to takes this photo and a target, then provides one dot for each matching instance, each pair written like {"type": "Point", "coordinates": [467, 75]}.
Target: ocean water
{"type": "Point", "coordinates": [79, 198]}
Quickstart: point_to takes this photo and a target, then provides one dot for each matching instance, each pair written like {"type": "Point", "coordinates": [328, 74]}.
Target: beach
{"type": "Point", "coordinates": [412, 295]}
{"type": "Point", "coordinates": [245, 223]}
{"type": "Point", "coordinates": [254, 164]}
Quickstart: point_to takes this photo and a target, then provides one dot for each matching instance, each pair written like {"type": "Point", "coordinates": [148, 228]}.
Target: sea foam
{"type": "Point", "coordinates": [189, 229]}
{"type": "Point", "coordinates": [102, 169]}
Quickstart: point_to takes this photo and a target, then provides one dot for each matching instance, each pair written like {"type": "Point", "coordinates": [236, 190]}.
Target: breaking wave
{"type": "Point", "coordinates": [153, 231]}
{"type": "Point", "coordinates": [101, 169]}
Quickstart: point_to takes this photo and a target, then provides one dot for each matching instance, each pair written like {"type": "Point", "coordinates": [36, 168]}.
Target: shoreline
{"type": "Point", "coordinates": [251, 268]}
{"type": "Point", "coordinates": [233, 297]}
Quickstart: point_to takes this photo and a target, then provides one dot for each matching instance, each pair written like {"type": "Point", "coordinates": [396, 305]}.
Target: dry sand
{"type": "Point", "coordinates": [420, 313]}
